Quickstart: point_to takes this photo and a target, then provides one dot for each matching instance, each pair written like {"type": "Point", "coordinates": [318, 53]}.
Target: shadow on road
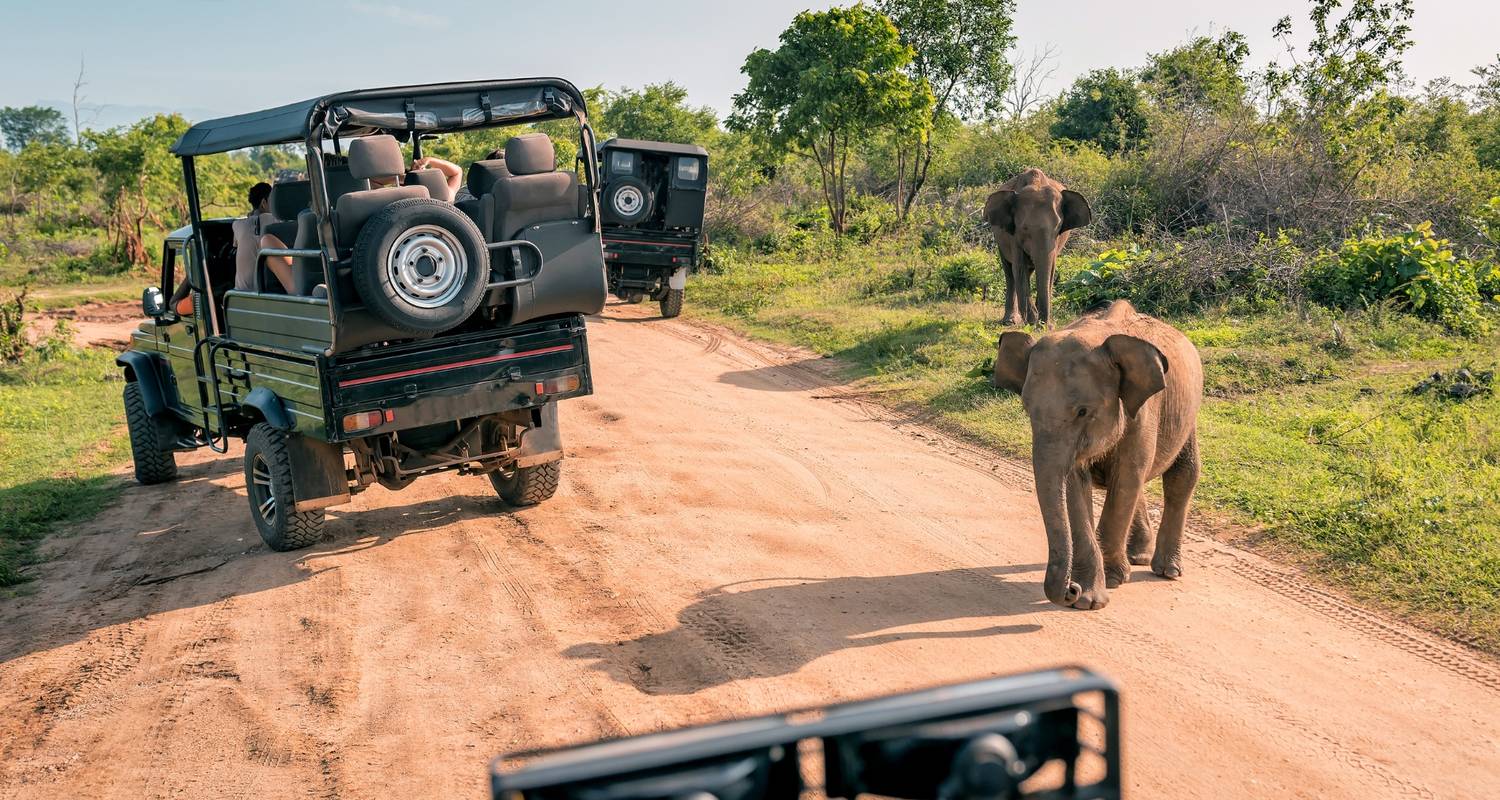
{"type": "Point", "coordinates": [777, 626]}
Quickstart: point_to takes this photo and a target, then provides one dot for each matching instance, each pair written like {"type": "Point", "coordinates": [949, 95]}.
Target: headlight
{"type": "Point", "coordinates": [687, 169]}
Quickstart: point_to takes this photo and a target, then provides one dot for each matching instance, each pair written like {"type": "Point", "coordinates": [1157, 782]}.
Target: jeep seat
{"type": "Point", "coordinates": [534, 191]}
{"type": "Point", "coordinates": [480, 182]}
{"type": "Point", "coordinates": [288, 198]}
{"type": "Point", "coordinates": [370, 158]}
{"type": "Point", "coordinates": [436, 183]}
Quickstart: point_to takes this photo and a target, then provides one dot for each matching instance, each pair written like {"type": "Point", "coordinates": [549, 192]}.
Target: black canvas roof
{"type": "Point", "coordinates": [660, 147]}
{"type": "Point", "coordinates": [435, 107]}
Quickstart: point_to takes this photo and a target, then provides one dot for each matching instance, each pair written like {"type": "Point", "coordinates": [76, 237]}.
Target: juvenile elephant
{"type": "Point", "coordinates": [1031, 215]}
{"type": "Point", "coordinates": [1113, 400]}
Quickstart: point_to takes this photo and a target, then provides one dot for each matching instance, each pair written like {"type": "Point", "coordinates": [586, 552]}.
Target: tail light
{"type": "Point", "coordinates": [558, 385]}
{"type": "Point", "coordinates": [363, 420]}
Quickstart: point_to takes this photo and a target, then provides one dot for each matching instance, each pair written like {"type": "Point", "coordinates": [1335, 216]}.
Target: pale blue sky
{"type": "Point", "coordinates": [210, 57]}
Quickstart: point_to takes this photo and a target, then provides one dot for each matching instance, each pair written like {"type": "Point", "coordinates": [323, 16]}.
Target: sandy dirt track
{"type": "Point", "coordinates": [737, 533]}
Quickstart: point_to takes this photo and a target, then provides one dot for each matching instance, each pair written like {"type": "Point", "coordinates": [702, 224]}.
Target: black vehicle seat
{"type": "Point", "coordinates": [534, 191]}
{"type": "Point", "coordinates": [306, 272]}
{"type": "Point", "coordinates": [436, 183]}
{"type": "Point", "coordinates": [288, 199]}
{"type": "Point", "coordinates": [373, 157]}
{"type": "Point", "coordinates": [481, 183]}
{"type": "Point", "coordinates": [340, 182]}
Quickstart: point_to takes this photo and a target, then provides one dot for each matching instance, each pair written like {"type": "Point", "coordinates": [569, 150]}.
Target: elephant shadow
{"type": "Point", "coordinates": [776, 626]}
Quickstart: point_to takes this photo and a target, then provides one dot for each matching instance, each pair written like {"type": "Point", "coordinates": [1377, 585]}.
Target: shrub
{"type": "Point", "coordinates": [1415, 269]}
{"type": "Point", "coordinates": [965, 275]}
{"type": "Point", "coordinates": [13, 328]}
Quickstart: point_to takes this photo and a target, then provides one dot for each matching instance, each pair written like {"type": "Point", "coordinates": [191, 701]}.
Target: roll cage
{"type": "Point", "coordinates": [405, 112]}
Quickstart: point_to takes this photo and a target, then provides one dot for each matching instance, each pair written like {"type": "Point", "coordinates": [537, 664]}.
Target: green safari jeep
{"type": "Point", "coordinates": [420, 332]}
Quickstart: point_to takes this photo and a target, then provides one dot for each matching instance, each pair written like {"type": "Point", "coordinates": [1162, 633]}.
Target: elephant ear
{"type": "Point", "coordinates": [999, 210]}
{"type": "Point", "coordinates": [1075, 211]}
{"type": "Point", "coordinates": [1143, 369]}
{"type": "Point", "coordinates": [1011, 360]}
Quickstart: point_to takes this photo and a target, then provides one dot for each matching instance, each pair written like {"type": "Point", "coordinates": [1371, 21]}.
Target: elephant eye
{"type": "Point", "coordinates": [1083, 412]}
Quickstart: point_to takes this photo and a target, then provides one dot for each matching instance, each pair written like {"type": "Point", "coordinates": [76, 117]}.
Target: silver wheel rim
{"type": "Point", "coordinates": [427, 267]}
{"type": "Point", "coordinates": [628, 200]}
{"type": "Point", "coordinates": [261, 494]}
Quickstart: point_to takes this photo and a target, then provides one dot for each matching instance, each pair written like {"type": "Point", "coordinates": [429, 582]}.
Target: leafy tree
{"type": "Point", "coordinates": [838, 77]}
{"type": "Point", "coordinates": [27, 124]}
{"type": "Point", "coordinates": [659, 113]}
{"type": "Point", "coordinates": [1105, 108]}
{"type": "Point", "coordinates": [1202, 75]}
{"type": "Point", "coordinates": [959, 52]}
{"type": "Point", "coordinates": [138, 176]}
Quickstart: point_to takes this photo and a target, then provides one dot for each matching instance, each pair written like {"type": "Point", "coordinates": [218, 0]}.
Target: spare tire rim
{"type": "Point", "coordinates": [262, 494]}
{"type": "Point", "coordinates": [628, 200]}
{"type": "Point", "coordinates": [427, 266]}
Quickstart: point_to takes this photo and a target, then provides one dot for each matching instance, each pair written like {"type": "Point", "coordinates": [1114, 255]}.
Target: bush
{"type": "Point", "coordinates": [1415, 269]}
{"type": "Point", "coordinates": [964, 276]}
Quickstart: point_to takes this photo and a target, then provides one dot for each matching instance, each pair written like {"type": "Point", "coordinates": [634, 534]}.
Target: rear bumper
{"type": "Point", "coordinates": [426, 383]}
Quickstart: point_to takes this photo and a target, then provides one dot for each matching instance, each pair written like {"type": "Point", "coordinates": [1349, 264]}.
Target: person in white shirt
{"type": "Point", "coordinates": [247, 242]}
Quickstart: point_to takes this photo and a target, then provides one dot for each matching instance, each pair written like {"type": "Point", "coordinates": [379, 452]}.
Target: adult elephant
{"type": "Point", "coordinates": [1031, 216]}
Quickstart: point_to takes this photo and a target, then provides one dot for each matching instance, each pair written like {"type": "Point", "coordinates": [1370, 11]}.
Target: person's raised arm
{"type": "Point", "coordinates": [451, 171]}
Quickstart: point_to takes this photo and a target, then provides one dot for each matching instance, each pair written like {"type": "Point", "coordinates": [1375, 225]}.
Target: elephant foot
{"type": "Point", "coordinates": [1140, 559]}
{"type": "Point", "coordinates": [1011, 321]}
{"type": "Point", "coordinates": [1116, 574]}
{"type": "Point", "coordinates": [1169, 568]}
{"type": "Point", "coordinates": [1092, 600]}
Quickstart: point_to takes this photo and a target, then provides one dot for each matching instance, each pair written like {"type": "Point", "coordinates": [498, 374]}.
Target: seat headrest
{"type": "Point", "coordinates": [375, 157]}
{"type": "Point", "coordinates": [531, 154]}
{"type": "Point", "coordinates": [434, 180]}
{"type": "Point", "coordinates": [483, 174]}
{"type": "Point", "coordinates": [288, 198]}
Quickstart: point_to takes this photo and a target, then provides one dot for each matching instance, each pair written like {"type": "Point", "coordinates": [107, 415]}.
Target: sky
{"type": "Point", "coordinates": [207, 58]}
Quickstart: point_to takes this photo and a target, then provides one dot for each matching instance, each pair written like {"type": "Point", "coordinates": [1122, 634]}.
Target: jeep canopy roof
{"type": "Point", "coordinates": [436, 108]}
{"type": "Point", "coordinates": [659, 147]}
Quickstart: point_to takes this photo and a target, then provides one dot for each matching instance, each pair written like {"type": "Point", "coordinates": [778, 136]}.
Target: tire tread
{"type": "Point", "coordinates": [153, 464]}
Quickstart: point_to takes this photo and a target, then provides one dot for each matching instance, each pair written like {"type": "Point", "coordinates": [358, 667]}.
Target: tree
{"type": "Point", "coordinates": [958, 50]}
{"type": "Point", "coordinates": [838, 77]}
{"type": "Point", "coordinates": [27, 124]}
{"type": "Point", "coordinates": [138, 176]}
{"type": "Point", "coordinates": [659, 113]}
{"type": "Point", "coordinates": [1028, 81]}
{"type": "Point", "coordinates": [1202, 75]}
{"type": "Point", "coordinates": [1103, 107]}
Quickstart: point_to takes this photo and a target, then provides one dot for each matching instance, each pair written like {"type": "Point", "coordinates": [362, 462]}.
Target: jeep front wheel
{"type": "Point", "coordinates": [268, 482]}
{"type": "Point", "coordinates": [527, 486]}
{"type": "Point", "coordinates": [671, 303]}
{"type": "Point", "coordinates": [421, 265]}
{"type": "Point", "coordinates": [153, 462]}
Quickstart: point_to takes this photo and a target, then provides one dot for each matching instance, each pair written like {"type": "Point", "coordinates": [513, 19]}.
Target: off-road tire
{"type": "Point", "coordinates": [637, 188]}
{"type": "Point", "coordinates": [376, 259]}
{"type": "Point", "coordinates": [153, 463]}
{"type": "Point", "coordinates": [671, 303]}
{"type": "Point", "coordinates": [266, 459]}
{"type": "Point", "coordinates": [527, 486]}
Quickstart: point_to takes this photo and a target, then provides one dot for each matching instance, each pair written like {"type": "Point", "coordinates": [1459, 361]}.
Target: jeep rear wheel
{"type": "Point", "coordinates": [527, 486]}
{"type": "Point", "coordinates": [421, 265]}
{"type": "Point", "coordinates": [671, 303]}
{"type": "Point", "coordinates": [268, 482]}
{"type": "Point", "coordinates": [153, 462]}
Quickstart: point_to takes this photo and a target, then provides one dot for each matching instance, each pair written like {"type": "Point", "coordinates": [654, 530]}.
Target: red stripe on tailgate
{"type": "Point", "coordinates": [562, 348]}
{"type": "Point", "coordinates": [653, 244]}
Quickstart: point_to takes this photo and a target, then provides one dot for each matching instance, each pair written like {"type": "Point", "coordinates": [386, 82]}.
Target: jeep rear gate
{"type": "Point", "coordinates": [460, 377]}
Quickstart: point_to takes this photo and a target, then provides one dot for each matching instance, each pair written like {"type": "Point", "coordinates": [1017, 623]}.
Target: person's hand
{"type": "Point", "coordinates": [421, 163]}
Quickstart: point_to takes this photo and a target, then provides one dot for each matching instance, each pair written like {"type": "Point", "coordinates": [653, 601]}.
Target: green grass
{"type": "Point", "coordinates": [1309, 430]}
{"type": "Point", "coordinates": [61, 435]}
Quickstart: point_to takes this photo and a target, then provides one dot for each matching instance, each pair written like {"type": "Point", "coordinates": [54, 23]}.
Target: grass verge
{"type": "Point", "coordinates": [1310, 430]}
{"type": "Point", "coordinates": [61, 436]}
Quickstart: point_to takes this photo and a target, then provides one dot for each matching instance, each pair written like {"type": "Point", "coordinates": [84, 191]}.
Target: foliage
{"type": "Point", "coordinates": [32, 124]}
{"type": "Point", "coordinates": [659, 112]}
{"type": "Point", "coordinates": [13, 343]}
{"type": "Point", "coordinates": [958, 49]}
{"type": "Point", "coordinates": [1202, 75]}
{"type": "Point", "coordinates": [966, 275]}
{"type": "Point", "coordinates": [838, 76]}
{"type": "Point", "coordinates": [1414, 268]}
{"type": "Point", "coordinates": [1105, 108]}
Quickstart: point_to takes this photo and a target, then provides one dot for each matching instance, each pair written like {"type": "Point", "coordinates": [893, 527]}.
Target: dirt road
{"type": "Point", "coordinates": [736, 534]}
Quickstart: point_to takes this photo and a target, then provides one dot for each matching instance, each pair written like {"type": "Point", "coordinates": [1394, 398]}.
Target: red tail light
{"type": "Point", "coordinates": [559, 385]}
{"type": "Point", "coordinates": [362, 420]}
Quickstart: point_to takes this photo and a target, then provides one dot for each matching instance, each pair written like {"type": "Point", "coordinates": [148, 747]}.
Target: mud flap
{"type": "Point", "coordinates": [542, 442]}
{"type": "Point", "coordinates": [318, 476]}
{"type": "Point", "coordinates": [678, 280]}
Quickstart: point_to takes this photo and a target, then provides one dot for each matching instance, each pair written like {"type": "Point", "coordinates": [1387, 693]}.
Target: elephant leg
{"type": "Point", "coordinates": [1178, 483]}
{"type": "Point", "coordinates": [1141, 536]}
{"type": "Point", "coordinates": [1026, 295]}
{"type": "Point", "coordinates": [1012, 310]}
{"type": "Point", "coordinates": [1120, 505]}
{"type": "Point", "coordinates": [1044, 276]}
{"type": "Point", "coordinates": [1088, 566]}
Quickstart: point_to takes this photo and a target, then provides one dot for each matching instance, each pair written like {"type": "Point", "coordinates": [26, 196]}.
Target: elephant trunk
{"type": "Point", "coordinates": [1051, 475]}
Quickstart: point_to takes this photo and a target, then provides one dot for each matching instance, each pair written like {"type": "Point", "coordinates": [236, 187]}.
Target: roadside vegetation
{"type": "Point", "coordinates": [1327, 233]}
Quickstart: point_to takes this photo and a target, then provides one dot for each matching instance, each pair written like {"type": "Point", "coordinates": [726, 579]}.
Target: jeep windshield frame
{"type": "Point", "coordinates": [406, 112]}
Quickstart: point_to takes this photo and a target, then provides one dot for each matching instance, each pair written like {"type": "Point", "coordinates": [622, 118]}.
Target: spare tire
{"type": "Point", "coordinates": [421, 265]}
{"type": "Point", "coordinates": [628, 200]}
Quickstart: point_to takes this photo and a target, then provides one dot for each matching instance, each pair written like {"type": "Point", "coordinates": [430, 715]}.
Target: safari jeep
{"type": "Point", "coordinates": [653, 195]}
{"type": "Point", "coordinates": [418, 335]}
